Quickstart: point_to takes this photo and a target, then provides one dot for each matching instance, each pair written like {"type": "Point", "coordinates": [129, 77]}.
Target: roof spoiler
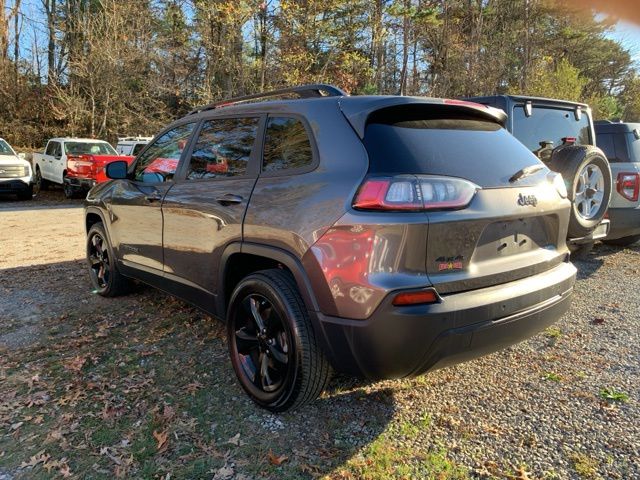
{"type": "Point", "coordinates": [358, 114]}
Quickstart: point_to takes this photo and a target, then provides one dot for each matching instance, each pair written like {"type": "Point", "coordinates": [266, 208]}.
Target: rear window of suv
{"type": "Point", "coordinates": [416, 141]}
{"type": "Point", "coordinates": [549, 125]}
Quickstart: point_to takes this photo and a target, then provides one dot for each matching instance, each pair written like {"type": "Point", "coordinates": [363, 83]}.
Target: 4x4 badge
{"type": "Point", "coordinates": [524, 200]}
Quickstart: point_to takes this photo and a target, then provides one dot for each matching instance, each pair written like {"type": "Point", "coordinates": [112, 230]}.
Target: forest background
{"type": "Point", "coordinates": [108, 68]}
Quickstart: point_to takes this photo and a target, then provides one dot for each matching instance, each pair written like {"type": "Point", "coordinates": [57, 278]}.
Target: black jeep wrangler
{"type": "Point", "coordinates": [561, 134]}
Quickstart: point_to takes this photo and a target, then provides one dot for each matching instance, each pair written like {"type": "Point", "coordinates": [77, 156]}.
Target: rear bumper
{"type": "Point", "coordinates": [598, 233]}
{"type": "Point", "coordinates": [81, 183]}
{"type": "Point", "coordinates": [406, 341]}
{"type": "Point", "coordinates": [624, 222]}
{"type": "Point", "coordinates": [14, 186]}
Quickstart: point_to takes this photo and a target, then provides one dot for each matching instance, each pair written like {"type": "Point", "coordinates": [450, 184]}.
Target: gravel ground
{"type": "Point", "coordinates": [536, 410]}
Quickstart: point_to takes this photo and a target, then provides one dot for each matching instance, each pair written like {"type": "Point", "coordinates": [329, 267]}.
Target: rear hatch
{"type": "Point", "coordinates": [495, 212]}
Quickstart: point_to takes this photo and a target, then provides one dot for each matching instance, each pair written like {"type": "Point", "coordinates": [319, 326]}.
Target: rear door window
{"type": "Point", "coordinates": [417, 141]}
{"type": "Point", "coordinates": [287, 145]}
{"type": "Point", "coordinates": [223, 148]}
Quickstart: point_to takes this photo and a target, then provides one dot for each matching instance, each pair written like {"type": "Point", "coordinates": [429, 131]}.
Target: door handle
{"type": "Point", "coordinates": [153, 197]}
{"type": "Point", "coordinates": [229, 199]}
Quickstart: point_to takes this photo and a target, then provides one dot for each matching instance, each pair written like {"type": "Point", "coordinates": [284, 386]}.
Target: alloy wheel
{"type": "Point", "coordinates": [99, 260]}
{"type": "Point", "coordinates": [261, 345]}
{"type": "Point", "coordinates": [590, 190]}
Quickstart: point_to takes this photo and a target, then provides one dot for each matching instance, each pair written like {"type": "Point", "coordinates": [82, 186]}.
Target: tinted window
{"type": "Point", "coordinates": [605, 143]}
{"type": "Point", "coordinates": [53, 149]}
{"type": "Point", "coordinates": [160, 161]}
{"type": "Point", "coordinates": [5, 149]}
{"type": "Point", "coordinates": [223, 148]}
{"type": "Point", "coordinates": [634, 148]}
{"type": "Point", "coordinates": [549, 124]}
{"type": "Point", "coordinates": [138, 148]}
{"type": "Point", "coordinates": [286, 145]}
{"type": "Point", "coordinates": [412, 141]}
{"type": "Point", "coordinates": [93, 148]}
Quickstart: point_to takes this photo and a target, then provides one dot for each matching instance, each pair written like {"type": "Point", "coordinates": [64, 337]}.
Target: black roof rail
{"type": "Point", "coordinates": [303, 91]}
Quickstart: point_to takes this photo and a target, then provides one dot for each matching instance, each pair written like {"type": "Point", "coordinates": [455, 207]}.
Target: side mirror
{"type": "Point", "coordinates": [117, 170]}
{"type": "Point", "coordinates": [22, 156]}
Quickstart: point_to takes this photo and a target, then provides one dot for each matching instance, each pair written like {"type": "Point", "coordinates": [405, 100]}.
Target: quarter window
{"type": "Point", "coordinates": [223, 148]}
{"type": "Point", "coordinates": [286, 145]}
{"type": "Point", "coordinates": [160, 161]}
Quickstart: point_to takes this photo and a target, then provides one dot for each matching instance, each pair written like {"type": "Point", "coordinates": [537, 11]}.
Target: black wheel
{"type": "Point", "coordinates": [69, 190]}
{"type": "Point", "coordinates": [105, 277]}
{"type": "Point", "coordinates": [580, 252]}
{"type": "Point", "coordinates": [272, 344]}
{"type": "Point", "coordinates": [40, 183]}
{"type": "Point", "coordinates": [587, 174]}
{"type": "Point", "coordinates": [622, 242]}
{"type": "Point", "coordinates": [26, 194]}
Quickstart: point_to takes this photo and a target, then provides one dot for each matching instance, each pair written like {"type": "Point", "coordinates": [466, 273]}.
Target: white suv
{"type": "Point", "coordinates": [16, 174]}
{"type": "Point", "coordinates": [131, 145]}
{"type": "Point", "coordinates": [621, 143]}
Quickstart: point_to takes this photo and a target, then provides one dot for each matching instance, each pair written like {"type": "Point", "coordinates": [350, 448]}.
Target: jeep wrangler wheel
{"type": "Point", "coordinates": [272, 344]}
{"type": "Point", "coordinates": [105, 277]}
{"type": "Point", "coordinates": [587, 174]}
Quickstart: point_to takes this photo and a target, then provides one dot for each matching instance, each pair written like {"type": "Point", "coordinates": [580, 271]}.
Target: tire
{"type": "Point", "coordinates": [26, 194]}
{"type": "Point", "coordinates": [622, 242]}
{"type": "Point", "coordinates": [105, 277]}
{"type": "Point", "coordinates": [40, 183]}
{"type": "Point", "coordinates": [581, 252]}
{"type": "Point", "coordinates": [69, 190]}
{"type": "Point", "coordinates": [587, 174]}
{"type": "Point", "coordinates": [285, 346]}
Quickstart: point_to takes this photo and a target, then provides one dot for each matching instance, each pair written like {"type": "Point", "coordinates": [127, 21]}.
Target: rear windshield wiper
{"type": "Point", "coordinates": [525, 172]}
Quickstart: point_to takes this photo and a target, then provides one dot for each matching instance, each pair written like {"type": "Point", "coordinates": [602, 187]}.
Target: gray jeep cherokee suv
{"type": "Point", "coordinates": [377, 236]}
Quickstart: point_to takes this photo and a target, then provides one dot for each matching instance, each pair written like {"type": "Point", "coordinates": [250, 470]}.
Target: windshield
{"type": "Point", "coordinates": [92, 148]}
{"type": "Point", "coordinates": [549, 125]}
{"type": "Point", "coordinates": [5, 149]}
{"type": "Point", "coordinates": [414, 142]}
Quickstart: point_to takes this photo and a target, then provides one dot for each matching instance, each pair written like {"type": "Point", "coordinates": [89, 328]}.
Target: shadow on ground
{"type": "Point", "coordinates": [141, 386]}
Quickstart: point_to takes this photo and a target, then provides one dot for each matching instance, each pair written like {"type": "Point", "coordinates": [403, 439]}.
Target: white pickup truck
{"type": "Point", "coordinates": [15, 173]}
{"type": "Point", "coordinates": [52, 166]}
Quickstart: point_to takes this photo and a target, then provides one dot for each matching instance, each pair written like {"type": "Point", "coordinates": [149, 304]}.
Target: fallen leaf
{"type": "Point", "coordinates": [40, 457]}
{"type": "Point", "coordinates": [162, 439]}
{"type": "Point", "coordinates": [275, 459]}
{"type": "Point", "coordinates": [598, 321]}
{"type": "Point", "coordinates": [522, 474]}
{"type": "Point", "coordinates": [76, 363]}
{"type": "Point", "coordinates": [235, 440]}
{"type": "Point", "coordinates": [193, 387]}
{"type": "Point", "coordinates": [224, 473]}
{"type": "Point", "coordinates": [65, 471]}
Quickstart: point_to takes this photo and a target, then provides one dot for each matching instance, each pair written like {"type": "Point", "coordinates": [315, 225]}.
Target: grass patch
{"type": "Point", "coordinates": [553, 332]}
{"type": "Point", "coordinates": [553, 377]}
{"type": "Point", "coordinates": [584, 465]}
{"type": "Point", "coordinates": [613, 395]}
{"type": "Point", "coordinates": [383, 459]}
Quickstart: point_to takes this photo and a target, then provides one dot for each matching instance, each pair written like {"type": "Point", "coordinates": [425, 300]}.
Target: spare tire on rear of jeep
{"type": "Point", "coordinates": [587, 174]}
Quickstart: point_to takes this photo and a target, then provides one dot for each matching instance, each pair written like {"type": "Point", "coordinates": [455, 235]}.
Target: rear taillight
{"type": "Point", "coordinates": [628, 185]}
{"type": "Point", "coordinates": [414, 193]}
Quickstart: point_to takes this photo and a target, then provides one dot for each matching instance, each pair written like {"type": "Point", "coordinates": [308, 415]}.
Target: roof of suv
{"type": "Point", "coordinates": [607, 126]}
{"type": "Point", "coordinates": [356, 108]}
